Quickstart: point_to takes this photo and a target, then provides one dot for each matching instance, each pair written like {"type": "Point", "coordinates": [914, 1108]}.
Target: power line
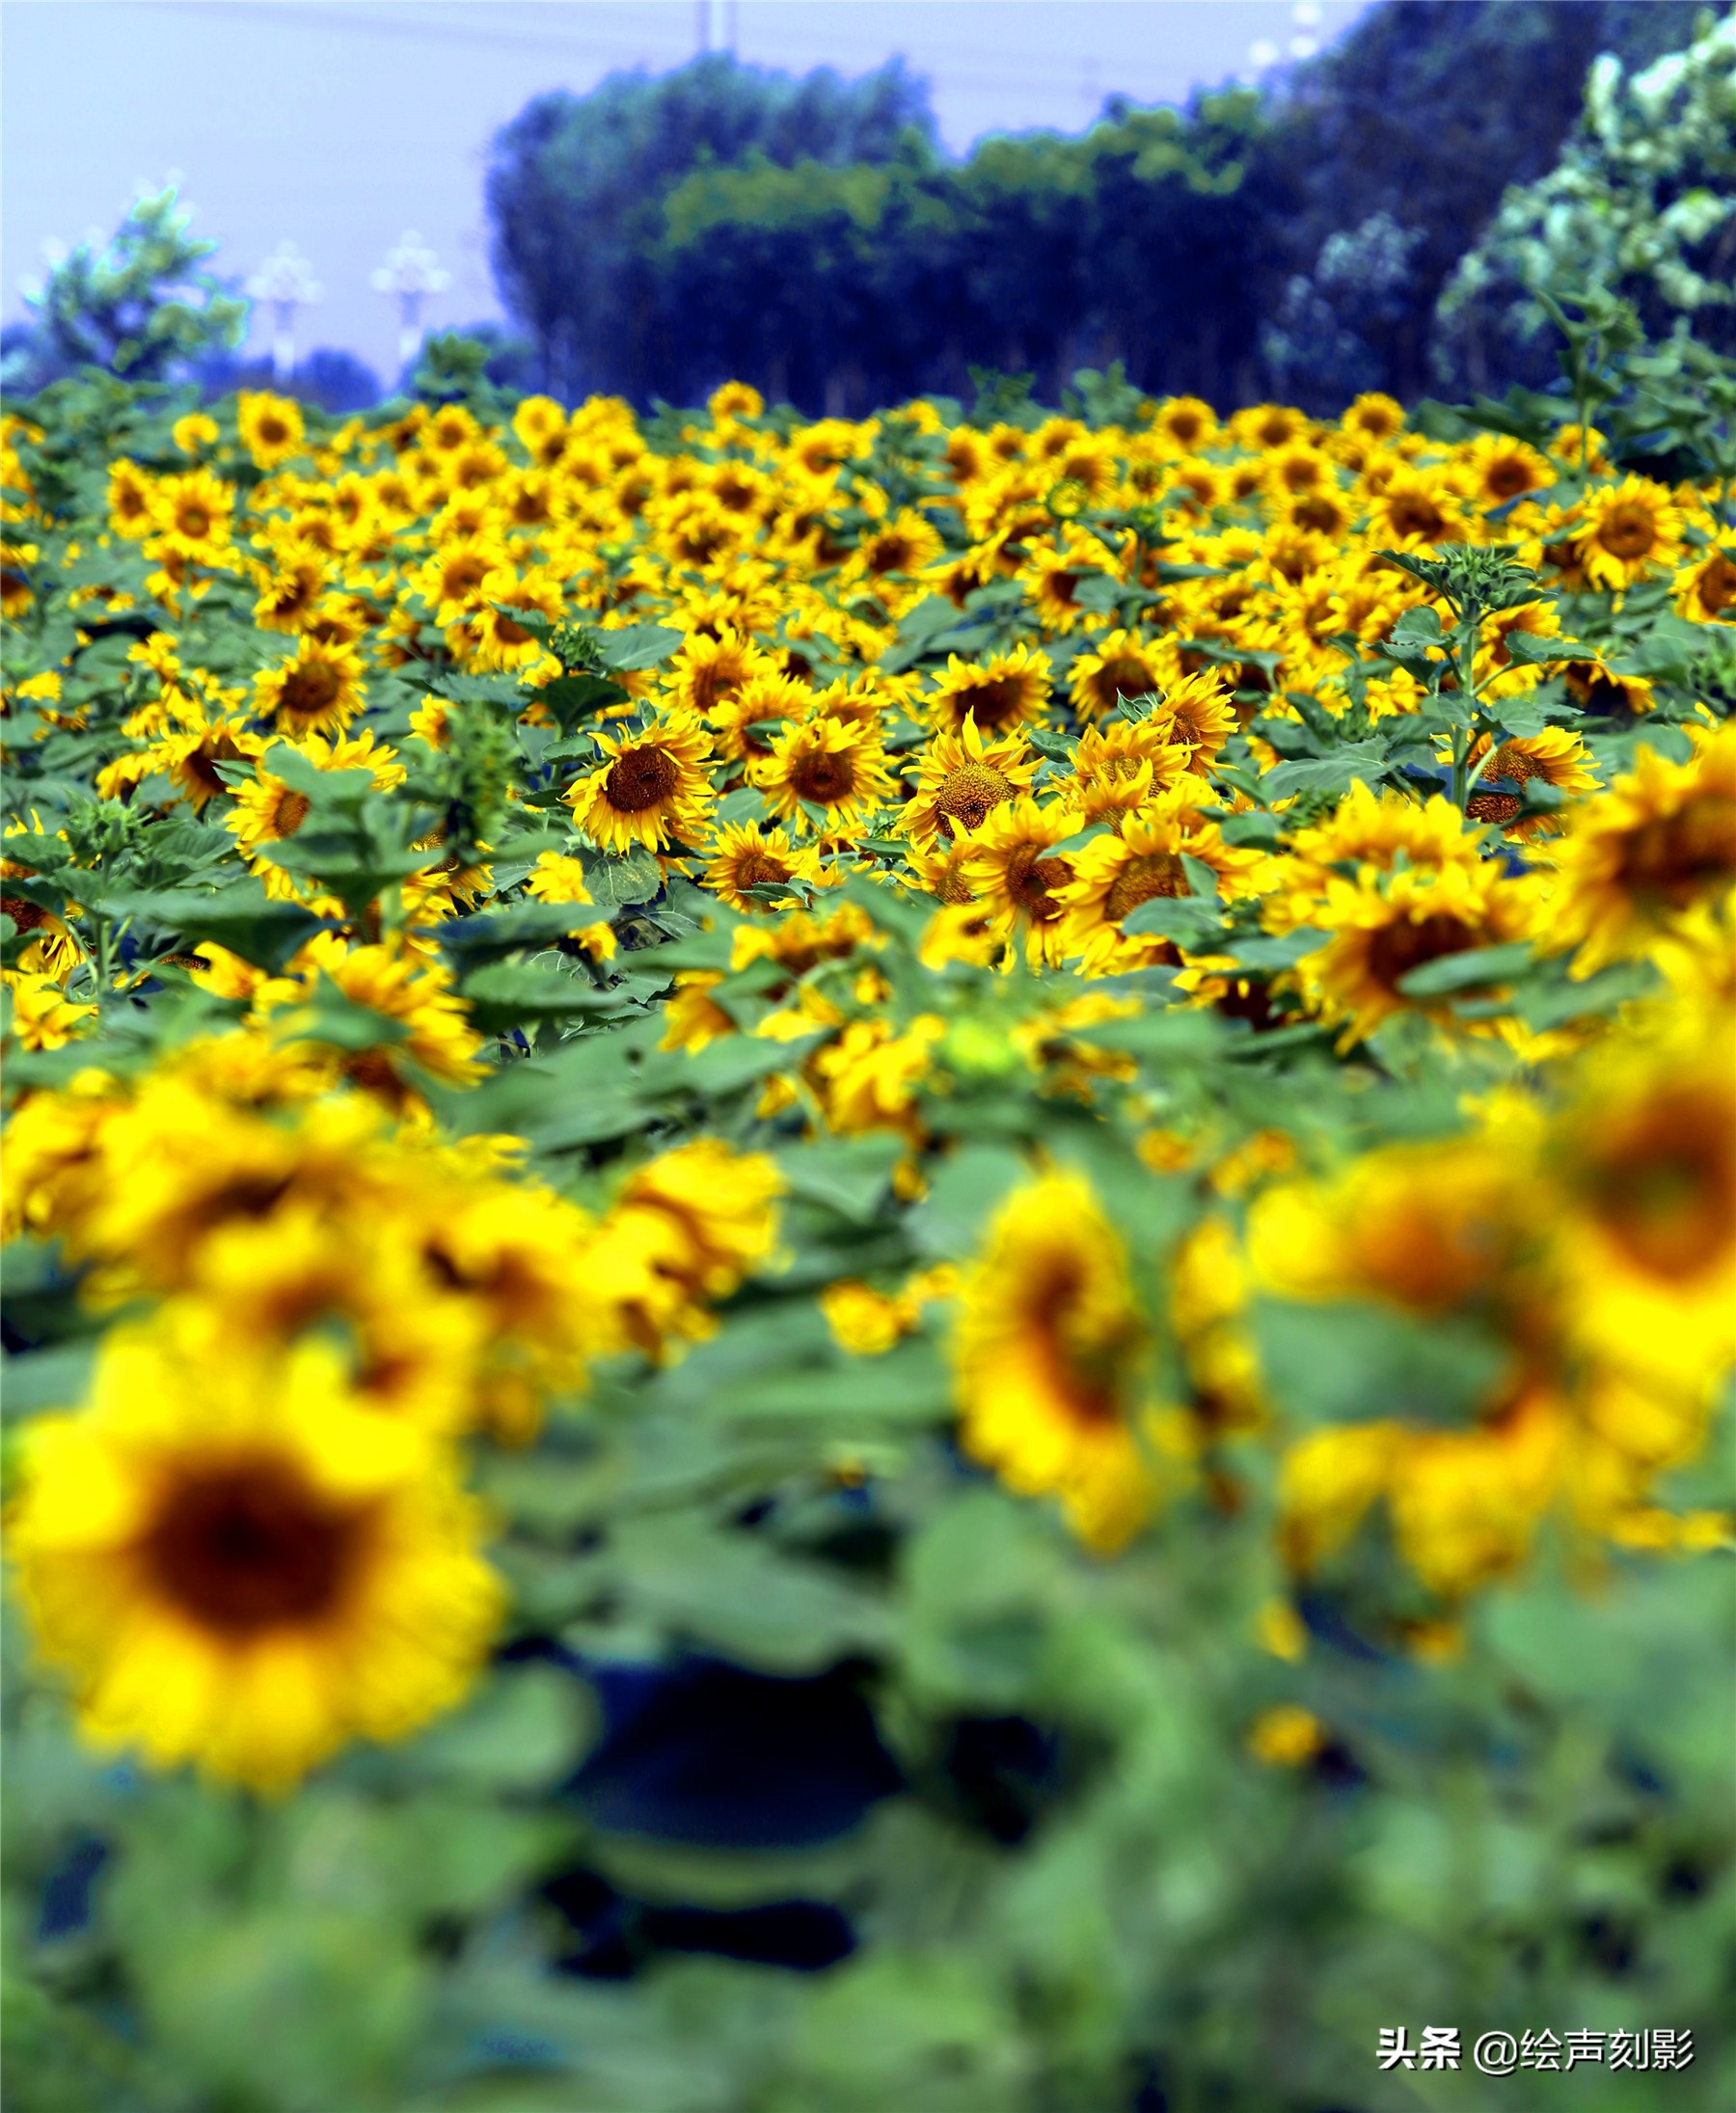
{"type": "Point", "coordinates": [324, 16]}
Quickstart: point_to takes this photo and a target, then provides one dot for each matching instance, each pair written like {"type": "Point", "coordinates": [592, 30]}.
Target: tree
{"type": "Point", "coordinates": [138, 307]}
{"type": "Point", "coordinates": [1642, 205]}
{"type": "Point", "coordinates": [577, 185]}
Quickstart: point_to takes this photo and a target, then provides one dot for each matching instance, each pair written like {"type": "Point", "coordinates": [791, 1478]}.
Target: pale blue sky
{"type": "Point", "coordinates": [340, 123]}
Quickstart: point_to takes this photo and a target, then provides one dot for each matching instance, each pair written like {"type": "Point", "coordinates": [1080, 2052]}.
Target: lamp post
{"type": "Point", "coordinates": [411, 273]}
{"type": "Point", "coordinates": [287, 281]}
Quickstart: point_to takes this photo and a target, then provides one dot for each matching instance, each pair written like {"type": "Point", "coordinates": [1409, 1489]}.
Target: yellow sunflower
{"type": "Point", "coordinates": [1120, 767]}
{"type": "Point", "coordinates": [411, 991]}
{"type": "Point", "coordinates": [1047, 1356]}
{"type": "Point", "coordinates": [320, 691]}
{"type": "Point", "coordinates": [1116, 874]}
{"type": "Point", "coordinates": [239, 1564]}
{"type": "Point", "coordinates": [1635, 863]}
{"type": "Point", "coordinates": [707, 672]}
{"type": "Point", "coordinates": [739, 856]}
{"type": "Point", "coordinates": [827, 775]}
{"type": "Point", "coordinates": [1383, 930]}
{"type": "Point", "coordinates": [1005, 691]}
{"type": "Point", "coordinates": [653, 789]}
{"type": "Point", "coordinates": [1627, 529]}
{"type": "Point", "coordinates": [270, 427]}
{"type": "Point", "coordinates": [1012, 872]}
{"type": "Point", "coordinates": [1121, 664]}
{"type": "Point", "coordinates": [962, 779]}
{"type": "Point", "coordinates": [1495, 470]}
{"type": "Point", "coordinates": [1704, 590]}
{"type": "Point", "coordinates": [1554, 757]}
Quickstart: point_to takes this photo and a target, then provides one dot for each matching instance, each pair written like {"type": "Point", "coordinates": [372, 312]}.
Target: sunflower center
{"type": "Point", "coordinates": [1118, 679]}
{"type": "Point", "coordinates": [1501, 807]}
{"type": "Point", "coordinates": [308, 690]}
{"type": "Point", "coordinates": [289, 811]}
{"type": "Point", "coordinates": [1030, 880]}
{"type": "Point", "coordinates": [968, 794]}
{"type": "Point", "coordinates": [759, 869]}
{"type": "Point", "coordinates": [194, 521]}
{"type": "Point", "coordinates": [250, 1546]}
{"type": "Point", "coordinates": [27, 916]}
{"type": "Point", "coordinates": [994, 702]}
{"type": "Point", "coordinates": [1628, 531]}
{"type": "Point", "coordinates": [1508, 476]}
{"type": "Point", "coordinates": [1142, 879]}
{"type": "Point", "coordinates": [1675, 857]}
{"type": "Point", "coordinates": [1668, 1191]}
{"type": "Point", "coordinates": [1715, 588]}
{"type": "Point", "coordinates": [824, 775]}
{"type": "Point", "coordinates": [1413, 515]}
{"type": "Point", "coordinates": [640, 779]}
{"type": "Point", "coordinates": [1397, 949]}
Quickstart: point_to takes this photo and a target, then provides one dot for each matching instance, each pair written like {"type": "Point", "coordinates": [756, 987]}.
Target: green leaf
{"type": "Point", "coordinates": [1468, 971]}
{"type": "Point", "coordinates": [637, 645]}
{"type": "Point", "coordinates": [1344, 1364]}
{"type": "Point", "coordinates": [1530, 651]}
{"type": "Point", "coordinates": [1185, 919]}
{"type": "Point", "coordinates": [570, 698]}
{"type": "Point", "coordinates": [517, 928]}
{"type": "Point", "coordinates": [1366, 761]}
{"type": "Point", "coordinates": [242, 918]}
{"type": "Point", "coordinates": [615, 880]}
{"type": "Point", "coordinates": [509, 994]}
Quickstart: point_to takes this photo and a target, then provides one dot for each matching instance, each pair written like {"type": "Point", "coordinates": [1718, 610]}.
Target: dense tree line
{"type": "Point", "coordinates": [811, 236]}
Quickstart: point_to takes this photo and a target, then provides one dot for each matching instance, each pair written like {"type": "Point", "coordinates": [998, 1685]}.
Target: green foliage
{"type": "Point", "coordinates": [1642, 206]}
{"type": "Point", "coordinates": [140, 304]}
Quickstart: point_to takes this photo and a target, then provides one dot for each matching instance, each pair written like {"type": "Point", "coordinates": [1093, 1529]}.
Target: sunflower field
{"type": "Point", "coordinates": [871, 1264]}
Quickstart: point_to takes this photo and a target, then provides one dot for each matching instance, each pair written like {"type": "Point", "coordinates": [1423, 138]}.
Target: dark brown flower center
{"type": "Point", "coordinates": [1676, 859]}
{"type": "Point", "coordinates": [1031, 880]}
{"type": "Point", "coordinates": [308, 690]}
{"type": "Point", "coordinates": [994, 702]}
{"type": "Point", "coordinates": [251, 1546]}
{"type": "Point", "coordinates": [1508, 475]}
{"type": "Point", "coordinates": [1397, 949]}
{"type": "Point", "coordinates": [823, 775]}
{"type": "Point", "coordinates": [759, 869]}
{"type": "Point", "coordinates": [1628, 531]}
{"type": "Point", "coordinates": [967, 795]}
{"type": "Point", "coordinates": [1665, 1184]}
{"type": "Point", "coordinates": [1141, 880]}
{"type": "Point", "coordinates": [1715, 590]}
{"type": "Point", "coordinates": [641, 778]}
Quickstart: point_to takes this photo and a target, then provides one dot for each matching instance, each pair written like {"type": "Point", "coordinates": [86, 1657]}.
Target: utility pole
{"type": "Point", "coordinates": [714, 23]}
{"type": "Point", "coordinates": [411, 273]}
{"type": "Point", "coordinates": [287, 281]}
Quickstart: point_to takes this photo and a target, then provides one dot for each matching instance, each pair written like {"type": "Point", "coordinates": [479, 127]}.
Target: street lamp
{"type": "Point", "coordinates": [412, 273]}
{"type": "Point", "coordinates": [287, 281]}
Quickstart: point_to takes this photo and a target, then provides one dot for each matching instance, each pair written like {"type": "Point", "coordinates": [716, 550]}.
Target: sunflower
{"type": "Point", "coordinates": [899, 548]}
{"type": "Point", "coordinates": [1643, 1159]}
{"type": "Point", "coordinates": [1626, 530]}
{"type": "Point", "coordinates": [1012, 872]}
{"type": "Point", "coordinates": [1116, 874]}
{"type": "Point", "coordinates": [652, 790]}
{"type": "Point", "coordinates": [707, 672]}
{"type": "Point", "coordinates": [1197, 714]}
{"type": "Point", "coordinates": [131, 512]}
{"type": "Point", "coordinates": [491, 638]}
{"type": "Point", "coordinates": [686, 1228]}
{"type": "Point", "coordinates": [828, 773]}
{"type": "Point", "coordinates": [1374, 416]}
{"type": "Point", "coordinates": [1007, 689]}
{"type": "Point", "coordinates": [424, 1028]}
{"type": "Point", "coordinates": [962, 779]}
{"type": "Point", "coordinates": [1119, 665]}
{"type": "Point", "coordinates": [765, 698]}
{"type": "Point", "coordinates": [1120, 767]}
{"type": "Point", "coordinates": [1047, 1356]}
{"type": "Point", "coordinates": [41, 1015]}
{"type": "Point", "coordinates": [318, 691]}
{"type": "Point", "coordinates": [1383, 930]}
{"type": "Point", "coordinates": [270, 427]}
{"type": "Point", "coordinates": [540, 425]}
{"type": "Point", "coordinates": [557, 878]}
{"type": "Point", "coordinates": [1053, 571]}
{"type": "Point", "coordinates": [454, 580]}
{"type": "Point", "coordinates": [1496, 470]}
{"type": "Point", "coordinates": [1417, 508]}
{"type": "Point", "coordinates": [1186, 422]}
{"type": "Point", "coordinates": [741, 857]}
{"type": "Point", "coordinates": [1638, 861]}
{"type": "Point", "coordinates": [289, 591]}
{"type": "Point", "coordinates": [267, 809]}
{"type": "Point", "coordinates": [1554, 757]}
{"type": "Point", "coordinates": [240, 1565]}
{"type": "Point", "coordinates": [1704, 589]}
{"type": "Point", "coordinates": [196, 510]}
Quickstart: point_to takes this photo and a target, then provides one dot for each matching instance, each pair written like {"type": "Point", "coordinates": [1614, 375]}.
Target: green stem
{"type": "Point", "coordinates": [1461, 750]}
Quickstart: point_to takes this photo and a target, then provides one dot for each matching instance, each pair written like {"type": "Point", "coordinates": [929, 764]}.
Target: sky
{"type": "Point", "coordinates": [339, 124]}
